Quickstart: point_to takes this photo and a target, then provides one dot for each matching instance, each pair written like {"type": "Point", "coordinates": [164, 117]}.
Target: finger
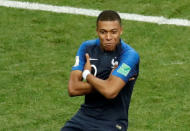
{"type": "Point", "coordinates": [87, 57]}
{"type": "Point", "coordinates": [115, 66]}
{"type": "Point", "coordinates": [132, 78]}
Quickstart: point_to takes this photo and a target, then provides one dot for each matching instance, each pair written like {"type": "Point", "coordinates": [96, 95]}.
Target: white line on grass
{"type": "Point", "coordinates": [90, 12]}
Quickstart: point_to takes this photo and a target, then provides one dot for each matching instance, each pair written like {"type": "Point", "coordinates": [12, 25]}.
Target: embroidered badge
{"type": "Point", "coordinates": [124, 69]}
{"type": "Point", "coordinates": [76, 61]}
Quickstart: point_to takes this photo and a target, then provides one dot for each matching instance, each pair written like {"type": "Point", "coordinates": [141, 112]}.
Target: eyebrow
{"type": "Point", "coordinates": [109, 30]}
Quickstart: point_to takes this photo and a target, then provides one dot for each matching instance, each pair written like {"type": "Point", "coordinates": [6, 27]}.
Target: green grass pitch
{"type": "Point", "coordinates": [37, 50]}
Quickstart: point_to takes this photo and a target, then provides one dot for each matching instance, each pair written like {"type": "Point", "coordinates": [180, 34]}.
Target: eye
{"type": "Point", "coordinates": [102, 32]}
{"type": "Point", "coordinates": [114, 32]}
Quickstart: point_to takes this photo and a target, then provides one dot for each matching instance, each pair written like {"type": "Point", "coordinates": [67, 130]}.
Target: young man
{"type": "Point", "coordinates": [105, 72]}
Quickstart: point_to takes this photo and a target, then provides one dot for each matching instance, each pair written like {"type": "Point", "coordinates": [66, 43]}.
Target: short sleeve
{"type": "Point", "coordinates": [128, 65]}
{"type": "Point", "coordinates": [79, 58]}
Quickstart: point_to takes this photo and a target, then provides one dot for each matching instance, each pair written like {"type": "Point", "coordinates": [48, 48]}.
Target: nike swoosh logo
{"type": "Point", "coordinates": [93, 59]}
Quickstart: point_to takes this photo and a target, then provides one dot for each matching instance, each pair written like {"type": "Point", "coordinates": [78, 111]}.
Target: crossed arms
{"type": "Point", "coordinates": [109, 88]}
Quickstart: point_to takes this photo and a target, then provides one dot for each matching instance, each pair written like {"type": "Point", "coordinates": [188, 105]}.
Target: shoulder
{"type": "Point", "coordinates": [89, 43]}
{"type": "Point", "coordinates": [128, 52]}
{"type": "Point", "coordinates": [80, 56]}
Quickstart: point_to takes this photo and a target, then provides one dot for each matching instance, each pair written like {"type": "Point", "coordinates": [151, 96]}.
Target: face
{"type": "Point", "coordinates": [109, 34]}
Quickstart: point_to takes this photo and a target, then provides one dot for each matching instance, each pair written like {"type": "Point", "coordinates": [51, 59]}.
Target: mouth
{"type": "Point", "coordinates": [108, 44]}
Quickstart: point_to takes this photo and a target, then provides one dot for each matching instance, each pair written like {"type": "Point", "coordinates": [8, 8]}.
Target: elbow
{"type": "Point", "coordinates": [71, 93]}
{"type": "Point", "coordinates": [71, 90]}
{"type": "Point", "coordinates": [110, 95]}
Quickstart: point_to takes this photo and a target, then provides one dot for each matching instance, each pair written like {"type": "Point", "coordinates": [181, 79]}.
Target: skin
{"type": "Point", "coordinates": [76, 87]}
{"type": "Point", "coordinates": [109, 33]}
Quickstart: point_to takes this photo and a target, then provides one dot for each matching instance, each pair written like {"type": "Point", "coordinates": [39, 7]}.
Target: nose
{"type": "Point", "coordinates": [108, 36]}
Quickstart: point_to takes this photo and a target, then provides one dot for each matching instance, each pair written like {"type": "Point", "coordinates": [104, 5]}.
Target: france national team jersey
{"type": "Point", "coordinates": [102, 63]}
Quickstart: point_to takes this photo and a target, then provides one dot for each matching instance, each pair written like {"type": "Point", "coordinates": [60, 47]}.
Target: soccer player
{"type": "Point", "coordinates": [105, 72]}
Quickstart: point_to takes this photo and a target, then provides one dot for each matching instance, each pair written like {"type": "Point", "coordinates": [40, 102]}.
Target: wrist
{"type": "Point", "coordinates": [85, 74]}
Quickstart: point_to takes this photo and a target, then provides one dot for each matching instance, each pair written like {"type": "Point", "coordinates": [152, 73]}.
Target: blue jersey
{"type": "Point", "coordinates": [102, 62]}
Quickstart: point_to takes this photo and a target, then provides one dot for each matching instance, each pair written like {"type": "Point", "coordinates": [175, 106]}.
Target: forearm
{"type": "Point", "coordinates": [77, 87]}
{"type": "Point", "coordinates": [102, 86]}
{"type": "Point", "coordinates": [109, 88]}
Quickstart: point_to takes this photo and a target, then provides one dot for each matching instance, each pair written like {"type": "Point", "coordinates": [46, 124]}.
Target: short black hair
{"type": "Point", "coordinates": [108, 15]}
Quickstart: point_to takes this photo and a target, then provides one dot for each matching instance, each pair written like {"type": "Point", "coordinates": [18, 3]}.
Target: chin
{"type": "Point", "coordinates": [110, 49]}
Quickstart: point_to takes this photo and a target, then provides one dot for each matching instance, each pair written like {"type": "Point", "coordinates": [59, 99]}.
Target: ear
{"type": "Point", "coordinates": [121, 30]}
{"type": "Point", "coordinates": [97, 30]}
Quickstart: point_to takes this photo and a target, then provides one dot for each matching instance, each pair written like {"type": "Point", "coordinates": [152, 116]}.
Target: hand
{"type": "Point", "coordinates": [115, 66]}
{"type": "Point", "coordinates": [133, 77]}
{"type": "Point", "coordinates": [87, 66]}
